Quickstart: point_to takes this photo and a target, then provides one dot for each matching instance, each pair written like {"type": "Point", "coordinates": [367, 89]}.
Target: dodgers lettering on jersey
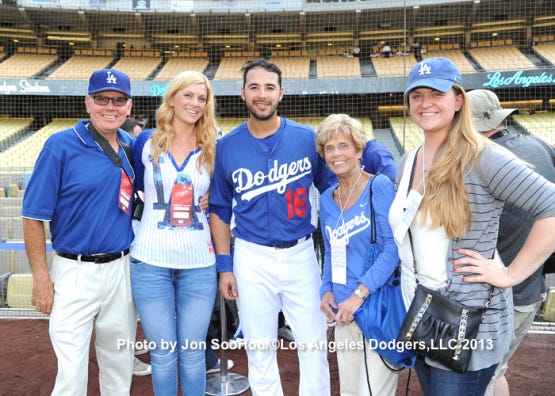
{"type": "Point", "coordinates": [267, 189]}
{"type": "Point", "coordinates": [279, 176]}
{"type": "Point", "coordinates": [348, 229]}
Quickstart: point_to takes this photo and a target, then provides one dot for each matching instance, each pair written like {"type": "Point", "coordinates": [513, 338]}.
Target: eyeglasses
{"type": "Point", "coordinates": [117, 101]}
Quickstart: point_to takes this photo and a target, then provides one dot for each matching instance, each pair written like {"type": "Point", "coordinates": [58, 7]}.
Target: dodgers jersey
{"type": "Point", "coordinates": [157, 241]}
{"type": "Point", "coordinates": [354, 226]}
{"type": "Point", "coordinates": [263, 190]}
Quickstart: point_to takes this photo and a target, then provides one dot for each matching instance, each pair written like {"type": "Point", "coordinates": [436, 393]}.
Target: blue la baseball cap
{"type": "Point", "coordinates": [436, 73]}
{"type": "Point", "coordinates": [109, 80]}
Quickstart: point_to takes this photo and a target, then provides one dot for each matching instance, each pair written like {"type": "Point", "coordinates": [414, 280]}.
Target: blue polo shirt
{"type": "Point", "coordinates": [76, 187]}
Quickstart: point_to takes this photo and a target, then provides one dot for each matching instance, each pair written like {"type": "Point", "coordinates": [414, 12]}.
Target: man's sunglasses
{"type": "Point", "coordinates": [118, 101]}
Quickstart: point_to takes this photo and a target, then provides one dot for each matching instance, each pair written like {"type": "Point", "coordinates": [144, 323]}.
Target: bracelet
{"type": "Point", "coordinates": [359, 294]}
{"type": "Point", "coordinates": [224, 263]}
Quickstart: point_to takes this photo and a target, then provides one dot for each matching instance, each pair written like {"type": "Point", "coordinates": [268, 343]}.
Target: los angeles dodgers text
{"type": "Point", "coordinates": [361, 222]}
{"type": "Point", "coordinates": [278, 177]}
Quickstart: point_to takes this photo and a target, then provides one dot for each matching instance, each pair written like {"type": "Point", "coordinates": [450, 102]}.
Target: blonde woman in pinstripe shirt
{"type": "Point", "coordinates": [173, 272]}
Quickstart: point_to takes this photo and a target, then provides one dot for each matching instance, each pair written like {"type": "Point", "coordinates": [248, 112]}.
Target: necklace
{"type": "Point", "coordinates": [424, 170]}
{"type": "Point", "coordinates": [341, 206]}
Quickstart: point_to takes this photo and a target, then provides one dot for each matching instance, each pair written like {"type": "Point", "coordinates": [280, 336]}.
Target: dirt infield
{"type": "Point", "coordinates": [28, 365]}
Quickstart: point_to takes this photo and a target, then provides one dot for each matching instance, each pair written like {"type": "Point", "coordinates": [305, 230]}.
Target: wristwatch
{"type": "Point", "coordinates": [358, 293]}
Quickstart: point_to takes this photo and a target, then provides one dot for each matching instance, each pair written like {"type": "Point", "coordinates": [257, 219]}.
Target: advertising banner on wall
{"type": "Point", "coordinates": [140, 5]}
{"type": "Point", "coordinates": [97, 3]}
{"type": "Point", "coordinates": [182, 5]}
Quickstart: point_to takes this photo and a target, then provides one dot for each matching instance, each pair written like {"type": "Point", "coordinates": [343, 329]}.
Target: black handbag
{"type": "Point", "coordinates": [439, 328]}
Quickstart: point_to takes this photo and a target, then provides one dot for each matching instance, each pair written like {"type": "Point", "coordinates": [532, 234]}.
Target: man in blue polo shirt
{"type": "Point", "coordinates": [82, 185]}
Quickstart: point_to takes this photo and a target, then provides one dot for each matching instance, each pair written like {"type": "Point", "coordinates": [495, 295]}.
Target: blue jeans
{"type": "Point", "coordinates": [175, 306]}
{"type": "Point", "coordinates": [438, 382]}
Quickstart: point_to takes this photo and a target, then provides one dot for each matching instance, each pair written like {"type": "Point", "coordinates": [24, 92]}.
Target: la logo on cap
{"type": "Point", "coordinates": [111, 79]}
{"type": "Point", "coordinates": [424, 69]}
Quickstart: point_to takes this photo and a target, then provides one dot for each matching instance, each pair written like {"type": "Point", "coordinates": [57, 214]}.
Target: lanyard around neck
{"type": "Point", "coordinates": [108, 149]}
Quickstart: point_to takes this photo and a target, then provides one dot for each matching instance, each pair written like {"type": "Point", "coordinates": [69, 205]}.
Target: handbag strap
{"type": "Point", "coordinates": [413, 257]}
{"type": "Point", "coordinates": [410, 235]}
{"type": "Point", "coordinates": [373, 231]}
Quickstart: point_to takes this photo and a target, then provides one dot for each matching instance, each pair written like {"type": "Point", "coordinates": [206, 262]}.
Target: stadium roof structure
{"type": "Point", "coordinates": [209, 25]}
{"type": "Point", "coordinates": [81, 16]}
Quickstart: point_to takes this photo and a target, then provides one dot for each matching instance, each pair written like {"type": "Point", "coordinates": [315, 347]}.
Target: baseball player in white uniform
{"type": "Point", "coordinates": [260, 193]}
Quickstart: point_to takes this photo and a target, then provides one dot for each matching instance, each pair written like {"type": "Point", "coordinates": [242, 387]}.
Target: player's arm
{"type": "Point", "coordinates": [35, 245]}
{"type": "Point", "coordinates": [377, 159]}
{"type": "Point", "coordinates": [221, 236]}
{"type": "Point", "coordinates": [323, 176]}
{"type": "Point", "coordinates": [221, 198]}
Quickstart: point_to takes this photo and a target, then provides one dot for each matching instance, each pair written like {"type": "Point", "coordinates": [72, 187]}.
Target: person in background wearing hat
{"type": "Point", "coordinates": [81, 185]}
{"type": "Point", "coordinates": [514, 225]}
{"type": "Point", "coordinates": [447, 207]}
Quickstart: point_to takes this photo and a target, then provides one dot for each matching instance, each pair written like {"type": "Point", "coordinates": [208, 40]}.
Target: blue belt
{"type": "Point", "coordinates": [287, 244]}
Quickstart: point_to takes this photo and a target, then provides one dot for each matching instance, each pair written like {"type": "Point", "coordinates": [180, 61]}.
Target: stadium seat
{"type": "Point", "coordinates": [20, 290]}
{"type": "Point", "coordinates": [176, 65]}
{"type": "Point", "coordinates": [546, 51]}
{"type": "Point", "coordinates": [20, 262]}
{"type": "Point", "coordinates": [17, 227]}
{"type": "Point", "coordinates": [14, 210]}
{"type": "Point", "coordinates": [3, 288]}
{"type": "Point", "coordinates": [337, 66]}
{"type": "Point", "coordinates": [5, 227]}
{"type": "Point", "coordinates": [539, 124]}
{"type": "Point", "coordinates": [230, 69]}
{"type": "Point", "coordinates": [25, 65]}
{"type": "Point", "coordinates": [501, 58]}
{"type": "Point", "coordinates": [548, 310]}
{"type": "Point", "coordinates": [293, 68]}
{"type": "Point", "coordinates": [80, 67]}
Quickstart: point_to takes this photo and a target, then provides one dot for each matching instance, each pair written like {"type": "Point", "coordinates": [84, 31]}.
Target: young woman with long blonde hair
{"type": "Point", "coordinates": [173, 272]}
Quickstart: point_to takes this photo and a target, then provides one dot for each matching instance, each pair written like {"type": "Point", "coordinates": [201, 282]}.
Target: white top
{"type": "Point", "coordinates": [159, 243]}
{"type": "Point", "coordinates": [430, 263]}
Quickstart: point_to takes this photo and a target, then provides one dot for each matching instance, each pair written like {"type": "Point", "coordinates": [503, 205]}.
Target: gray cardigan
{"type": "Point", "coordinates": [515, 224]}
{"type": "Point", "coordinates": [498, 177]}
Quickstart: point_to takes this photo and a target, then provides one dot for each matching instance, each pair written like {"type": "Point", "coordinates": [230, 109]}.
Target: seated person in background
{"type": "Point", "coordinates": [386, 49]}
